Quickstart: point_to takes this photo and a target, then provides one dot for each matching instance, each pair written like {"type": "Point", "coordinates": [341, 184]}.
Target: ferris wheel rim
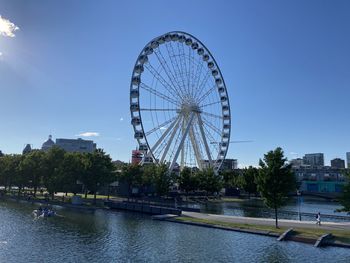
{"type": "Point", "coordinates": [219, 159]}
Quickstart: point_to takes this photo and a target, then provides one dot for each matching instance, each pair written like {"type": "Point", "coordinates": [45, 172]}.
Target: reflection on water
{"type": "Point", "coordinates": [107, 236]}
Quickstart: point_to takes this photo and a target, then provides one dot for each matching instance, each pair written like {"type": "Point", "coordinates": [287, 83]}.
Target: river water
{"type": "Point", "coordinates": [113, 236]}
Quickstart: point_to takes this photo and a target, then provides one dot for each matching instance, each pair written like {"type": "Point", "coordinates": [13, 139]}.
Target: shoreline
{"type": "Point", "coordinates": [300, 234]}
{"type": "Point", "coordinates": [187, 219]}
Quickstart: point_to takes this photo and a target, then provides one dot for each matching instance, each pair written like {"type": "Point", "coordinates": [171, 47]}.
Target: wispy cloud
{"type": "Point", "coordinates": [121, 119]}
{"type": "Point", "coordinates": [7, 28]}
{"type": "Point", "coordinates": [88, 134]}
{"type": "Point", "coordinates": [162, 128]}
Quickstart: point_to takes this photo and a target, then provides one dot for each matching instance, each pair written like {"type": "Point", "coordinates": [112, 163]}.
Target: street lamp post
{"type": "Point", "coordinates": [299, 202]}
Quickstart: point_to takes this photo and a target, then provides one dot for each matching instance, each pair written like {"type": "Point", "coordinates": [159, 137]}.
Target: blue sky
{"type": "Point", "coordinates": [285, 63]}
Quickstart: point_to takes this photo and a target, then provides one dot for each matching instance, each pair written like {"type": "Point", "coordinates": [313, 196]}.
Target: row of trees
{"type": "Point", "coordinates": [57, 171]}
{"type": "Point", "coordinates": [159, 179]}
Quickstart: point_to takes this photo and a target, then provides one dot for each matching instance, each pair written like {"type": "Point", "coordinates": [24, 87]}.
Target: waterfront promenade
{"type": "Point", "coordinates": [339, 226]}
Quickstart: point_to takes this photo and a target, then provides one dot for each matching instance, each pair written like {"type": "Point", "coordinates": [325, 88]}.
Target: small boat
{"type": "Point", "coordinates": [44, 212]}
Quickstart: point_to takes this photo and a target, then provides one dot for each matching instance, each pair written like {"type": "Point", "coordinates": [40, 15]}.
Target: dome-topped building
{"type": "Point", "coordinates": [48, 144]}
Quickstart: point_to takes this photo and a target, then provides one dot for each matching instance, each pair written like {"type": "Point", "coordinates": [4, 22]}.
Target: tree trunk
{"type": "Point", "coordinates": [276, 216]}
{"type": "Point", "coordinates": [19, 191]}
{"type": "Point", "coordinates": [85, 194]}
{"type": "Point", "coordinates": [95, 197]}
{"type": "Point", "coordinates": [35, 189]}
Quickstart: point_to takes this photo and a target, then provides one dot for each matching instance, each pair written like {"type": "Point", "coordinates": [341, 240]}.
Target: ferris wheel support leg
{"type": "Point", "coordinates": [182, 142]}
{"type": "Point", "coordinates": [183, 146]}
{"type": "Point", "coordinates": [162, 138]}
{"type": "Point", "coordinates": [200, 122]}
{"type": "Point", "coordinates": [170, 140]}
{"type": "Point", "coordinates": [196, 149]}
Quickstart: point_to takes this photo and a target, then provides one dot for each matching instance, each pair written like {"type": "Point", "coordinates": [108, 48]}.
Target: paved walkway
{"type": "Point", "coordinates": [270, 222]}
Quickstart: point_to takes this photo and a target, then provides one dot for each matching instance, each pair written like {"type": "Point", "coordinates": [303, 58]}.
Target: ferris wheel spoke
{"type": "Point", "coordinates": [160, 126]}
{"type": "Point", "coordinates": [182, 141]}
{"type": "Point", "coordinates": [167, 71]}
{"type": "Point", "coordinates": [190, 73]}
{"type": "Point", "coordinates": [175, 64]}
{"type": "Point", "coordinates": [164, 83]}
{"type": "Point", "coordinates": [157, 93]}
{"type": "Point", "coordinates": [148, 109]}
{"type": "Point", "coordinates": [212, 127]}
{"type": "Point", "coordinates": [182, 65]}
{"type": "Point", "coordinates": [209, 104]}
{"type": "Point", "coordinates": [200, 124]}
{"type": "Point", "coordinates": [212, 115]}
{"type": "Point", "coordinates": [209, 135]}
{"type": "Point", "coordinates": [197, 77]}
{"type": "Point", "coordinates": [202, 84]}
{"type": "Point", "coordinates": [206, 94]}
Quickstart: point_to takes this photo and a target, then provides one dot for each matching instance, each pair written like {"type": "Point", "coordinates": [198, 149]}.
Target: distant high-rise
{"type": "Point", "coordinates": [348, 159]}
{"type": "Point", "coordinates": [314, 159]}
{"type": "Point", "coordinates": [338, 163]}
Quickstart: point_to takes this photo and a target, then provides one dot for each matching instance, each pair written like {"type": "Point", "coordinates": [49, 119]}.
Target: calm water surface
{"type": "Point", "coordinates": [105, 236]}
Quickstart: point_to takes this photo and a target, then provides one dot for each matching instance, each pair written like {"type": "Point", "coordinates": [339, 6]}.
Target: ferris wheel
{"type": "Point", "coordinates": [179, 104]}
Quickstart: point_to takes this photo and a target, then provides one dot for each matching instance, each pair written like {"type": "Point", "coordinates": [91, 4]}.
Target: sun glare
{"type": "Point", "coordinates": [7, 28]}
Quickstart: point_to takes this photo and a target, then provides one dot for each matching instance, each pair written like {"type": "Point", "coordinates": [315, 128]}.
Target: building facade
{"type": "Point", "coordinates": [348, 159]}
{"type": "Point", "coordinates": [338, 163]}
{"type": "Point", "coordinates": [70, 145]}
{"type": "Point", "coordinates": [229, 164]}
{"type": "Point", "coordinates": [76, 145]}
{"type": "Point", "coordinates": [314, 159]}
{"type": "Point", "coordinates": [320, 179]}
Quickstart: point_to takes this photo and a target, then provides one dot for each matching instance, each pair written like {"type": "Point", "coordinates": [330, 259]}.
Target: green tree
{"type": "Point", "coordinates": [247, 180]}
{"type": "Point", "coordinates": [230, 178]}
{"type": "Point", "coordinates": [209, 181]}
{"type": "Point", "coordinates": [345, 198]}
{"type": "Point", "coordinates": [32, 167]}
{"type": "Point", "coordinates": [52, 166]}
{"type": "Point", "coordinates": [162, 180]}
{"type": "Point", "coordinates": [71, 171]}
{"type": "Point", "coordinates": [131, 175]}
{"type": "Point", "coordinates": [18, 178]}
{"type": "Point", "coordinates": [8, 170]}
{"type": "Point", "coordinates": [275, 180]}
{"type": "Point", "coordinates": [99, 171]}
{"type": "Point", "coordinates": [188, 181]}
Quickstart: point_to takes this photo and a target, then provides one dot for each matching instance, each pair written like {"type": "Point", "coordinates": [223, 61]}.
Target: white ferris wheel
{"type": "Point", "coordinates": [179, 104]}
